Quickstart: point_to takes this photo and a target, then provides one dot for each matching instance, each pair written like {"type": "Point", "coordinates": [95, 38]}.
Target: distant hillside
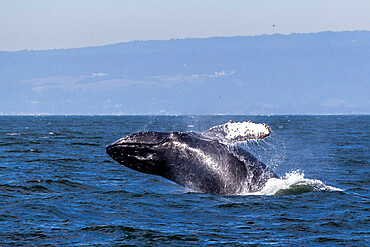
{"type": "Point", "coordinates": [319, 73]}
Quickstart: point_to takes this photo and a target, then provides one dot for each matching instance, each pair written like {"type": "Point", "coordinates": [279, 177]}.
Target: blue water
{"type": "Point", "coordinates": [58, 186]}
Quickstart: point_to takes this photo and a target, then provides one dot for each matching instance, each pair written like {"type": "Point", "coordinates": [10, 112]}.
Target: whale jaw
{"type": "Point", "coordinates": [138, 151]}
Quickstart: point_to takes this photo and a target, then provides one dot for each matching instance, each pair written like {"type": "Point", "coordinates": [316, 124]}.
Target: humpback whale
{"type": "Point", "coordinates": [209, 162]}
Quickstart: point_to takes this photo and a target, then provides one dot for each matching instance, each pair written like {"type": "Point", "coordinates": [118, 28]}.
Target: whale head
{"type": "Point", "coordinates": [140, 151]}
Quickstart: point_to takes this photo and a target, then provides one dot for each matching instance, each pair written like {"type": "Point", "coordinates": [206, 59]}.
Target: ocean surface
{"type": "Point", "coordinates": [59, 187]}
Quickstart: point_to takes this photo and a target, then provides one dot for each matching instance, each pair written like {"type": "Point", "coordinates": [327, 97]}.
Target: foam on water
{"type": "Point", "coordinates": [12, 134]}
{"type": "Point", "coordinates": [292, 183]}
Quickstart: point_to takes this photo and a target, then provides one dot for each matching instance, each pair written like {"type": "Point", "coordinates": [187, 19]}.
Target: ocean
{"type": "Point", "coordinates": [59, 187]}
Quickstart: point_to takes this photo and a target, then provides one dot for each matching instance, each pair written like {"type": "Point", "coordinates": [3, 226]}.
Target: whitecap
{"type": "Point", "coordinates": [12, 134]}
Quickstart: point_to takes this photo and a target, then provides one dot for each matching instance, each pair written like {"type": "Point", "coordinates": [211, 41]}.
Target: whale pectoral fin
{"type": "Point", "coordinates": [238, 131]}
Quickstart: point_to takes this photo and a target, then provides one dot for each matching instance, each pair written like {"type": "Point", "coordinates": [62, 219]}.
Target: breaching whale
{"type": "Point", "coordinates": [208, 162]}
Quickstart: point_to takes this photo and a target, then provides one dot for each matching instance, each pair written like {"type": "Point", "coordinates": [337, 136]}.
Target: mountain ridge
{"type": "Point", "coordinates": [316, 73]}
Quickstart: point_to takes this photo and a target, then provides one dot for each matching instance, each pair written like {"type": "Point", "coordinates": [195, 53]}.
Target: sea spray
{"type": "Point", "coordinates": [270, 150]}
{"type": "Point", "coordinates": [291, 184]}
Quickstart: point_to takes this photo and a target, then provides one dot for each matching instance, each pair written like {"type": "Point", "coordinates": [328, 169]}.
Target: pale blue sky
{"type": "Point", "coordinates": [48, 24]}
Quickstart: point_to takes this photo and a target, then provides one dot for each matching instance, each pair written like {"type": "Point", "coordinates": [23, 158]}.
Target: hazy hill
{"type": "Point", "coordinates": [326, 72]}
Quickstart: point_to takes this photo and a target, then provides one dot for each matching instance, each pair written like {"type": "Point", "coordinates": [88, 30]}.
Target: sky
{"type": "Point", "coordinates": [53, 24]}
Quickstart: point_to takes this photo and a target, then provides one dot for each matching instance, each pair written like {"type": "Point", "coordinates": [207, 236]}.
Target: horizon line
{"type": "Point", "coordinates": [175, 115]}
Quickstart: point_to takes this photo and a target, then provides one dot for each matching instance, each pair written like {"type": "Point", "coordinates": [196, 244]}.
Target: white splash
{"type": "Point", "coordinates": [288, 184]}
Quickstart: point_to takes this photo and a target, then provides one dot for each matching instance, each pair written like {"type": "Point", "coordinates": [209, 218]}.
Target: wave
{"type": "Point", "coordinates": [293, 183]}
{"type": "Point", "coordinates": [12, 134]}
